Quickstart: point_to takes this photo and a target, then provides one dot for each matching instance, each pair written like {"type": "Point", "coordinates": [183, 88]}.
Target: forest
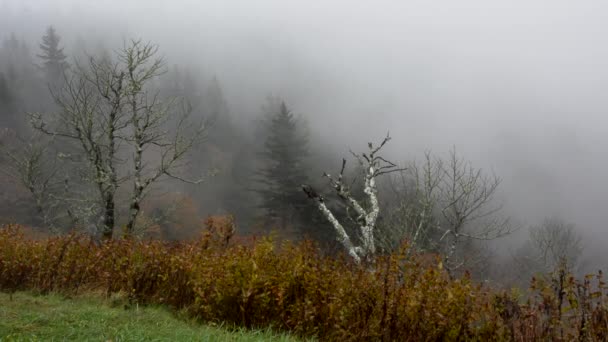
{"type": "Point", "coordinates": [127, 147]}
{"type": "Point", "coordinates": [123, 171]}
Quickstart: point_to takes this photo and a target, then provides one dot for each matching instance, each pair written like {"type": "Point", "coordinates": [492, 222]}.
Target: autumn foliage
{"type": "Point", "coordinates": [292, 287]}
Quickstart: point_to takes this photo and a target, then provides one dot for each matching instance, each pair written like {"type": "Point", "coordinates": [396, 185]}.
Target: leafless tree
{"type": "Point", "coordinates": [411, 201]}
{"type": "Point", "coordinates": [147, 117]}
{"type": "Point", "coordinates": [373, 166]}
{"type": "Point", "coordinates": [107, 107]}
{"type": "Point", "coordinates": [553, 244]}
{"type": "Point", "coordinates": [557, 243]}
{"type": "Point", "coordinates": [29, 164]}
{"type": "Point", "coordinates": [449, 205]}
{"type": "Point", "coordinates": [91, 113]}
{"type": "Point", "coordinates": [468, 209]}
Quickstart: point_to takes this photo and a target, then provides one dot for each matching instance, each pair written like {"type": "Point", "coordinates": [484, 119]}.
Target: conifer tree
{"type": "Point", "coordinates": [283, 170]}
{"type": "Point", "coordinates": [7, 102]}
{"type": "Point", "coordinates": [54, 60]}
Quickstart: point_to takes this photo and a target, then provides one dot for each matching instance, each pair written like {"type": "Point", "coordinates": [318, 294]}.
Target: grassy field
{"type": "Point", "coordinates": [28, 317]}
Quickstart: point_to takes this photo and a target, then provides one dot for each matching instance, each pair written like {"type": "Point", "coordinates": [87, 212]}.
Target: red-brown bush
{"type": "Point", "coordinates": [291, 287]}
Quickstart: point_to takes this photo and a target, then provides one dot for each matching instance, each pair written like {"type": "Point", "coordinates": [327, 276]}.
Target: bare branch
{"type": "Point", "coordinates": [373, 166]}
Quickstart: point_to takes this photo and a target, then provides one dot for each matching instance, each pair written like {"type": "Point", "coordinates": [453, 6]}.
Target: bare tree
{"type": "Point", "coordinates": [553, 244]}
{"type": "Point", "coordinates": [557, 243]}
{"type": "Point", "coordinates": [467, 207]}
{"type": "Point", "coordinates": [47, 176]}
{"type": "Point", "coordinates": [411, 201]}
{"type": "Point", "coordinates": [147, 117]}
{"type": "Point", "coordinates": [445, 206]}
{"type": "Point", "coordinates": [91, 105]}
{"type": "Point", "coordinates": [29, 164]}
{"type": "Point", "coordinates": [107, 106]}
{"type": "Point", "coordinates": [373, 166]}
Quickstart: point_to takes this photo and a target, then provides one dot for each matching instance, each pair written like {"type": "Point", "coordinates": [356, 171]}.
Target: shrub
{"type": "Point", "coordinates": [293, 287]}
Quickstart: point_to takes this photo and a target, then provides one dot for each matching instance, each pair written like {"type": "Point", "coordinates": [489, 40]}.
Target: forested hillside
{"type": "Point", "coordinates": [121, 142]}
{"type": "Point", "coordinates": [403, 171]}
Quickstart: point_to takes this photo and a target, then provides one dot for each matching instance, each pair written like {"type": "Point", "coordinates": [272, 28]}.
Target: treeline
{"type": "Point", "coordinates": [118, 144]}
{"type": "Point", "coordinates": [250, 170]}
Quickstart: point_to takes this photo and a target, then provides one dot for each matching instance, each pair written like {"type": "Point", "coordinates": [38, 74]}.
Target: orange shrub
{"type": "Point", "coordinates": [220, 228]}
{"type": "Point", "coordinates": [294, 288]}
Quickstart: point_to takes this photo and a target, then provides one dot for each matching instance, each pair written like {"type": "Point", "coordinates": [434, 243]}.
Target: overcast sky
{"type": "Point", "coordinates": [518, 86]}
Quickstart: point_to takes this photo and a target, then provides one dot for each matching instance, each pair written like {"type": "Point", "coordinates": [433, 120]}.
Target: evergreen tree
{"type": "Point", "coordinates": [217, 111]}
{"type": "Point", "coordinates": [19, 84]}
{"type": "Point", "coordinates": [7, 103]}
{"type": "Point", "coordinates": [11, 47]}
{"type": "Point", "coordinates": [54, 60]}
{"type": "Point", "coordinates": [15, 60]}
{"type": "Point", "coordinates": [283, 170]}
{"type": "Point", "coordinates": [5, 94]}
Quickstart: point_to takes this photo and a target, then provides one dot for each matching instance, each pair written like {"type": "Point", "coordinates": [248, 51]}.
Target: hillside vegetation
{"type": "Point", "coordinates": [291, 287]}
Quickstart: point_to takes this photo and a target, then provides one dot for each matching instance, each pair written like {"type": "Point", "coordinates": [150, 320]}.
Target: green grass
{"type": "Point", "coordinates": [28, 317]}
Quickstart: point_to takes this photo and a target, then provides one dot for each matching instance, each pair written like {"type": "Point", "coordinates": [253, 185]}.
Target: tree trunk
{"type": "Point", "coordinates": [108, 219]}
{"type": "Point", "coordinates": [133, 212]}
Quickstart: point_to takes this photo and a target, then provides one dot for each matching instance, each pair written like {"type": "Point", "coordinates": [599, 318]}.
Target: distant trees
{"type": "Point", "coordinates": [228, 150]}
{"type": "Point", "coordinates": [171, 216]}
{"type": "Point", "coordinates": [557, 242]}
{"type": "Point", "coordinates": [552, 244]}
{"type": "Point", "coordinates": [7, 102]}
{"type": "Point", "coordinates": [53, 58]}
{"type": "Point", "coordinates": [216, 107]}
{"type": "Point", "coordinates": [16, 59]}
{"type": "Point", "coordinates": [446, 206]}
{"type": "Point", "coordinates": [21, 87]}
{"type": "Point", "coordinates": [28, 159]}
{"type": "Point", "coordinates": [111, 111]}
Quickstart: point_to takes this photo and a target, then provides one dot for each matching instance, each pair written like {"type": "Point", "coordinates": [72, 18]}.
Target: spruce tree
{"type": "Point", "coordinates": [283, 170]}
{"type": "Point", "coordinates": [54, 60]}
{"type": "Point", "coordinates": [7, 102]}
{"type": "Point", "coordinates": [216, 104]}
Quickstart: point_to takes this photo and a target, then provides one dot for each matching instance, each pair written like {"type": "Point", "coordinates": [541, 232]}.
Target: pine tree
{"type": "Point", "coordinates": [283, 170]}
{"type": "Point", "coordinates": [15, 60]}
{"type": "Point", "coordinates": [216, 104]}
{"type": "Point", "coordinates": [7, 102]}
{"type": "Point", "coordinates": [11, 45]}
{"type": "Point", "coordinates": [19, 91]}
{"type": "Point", "coordinates": [54, 60]}
{"type": "Point", "coordinates": [217, 111]}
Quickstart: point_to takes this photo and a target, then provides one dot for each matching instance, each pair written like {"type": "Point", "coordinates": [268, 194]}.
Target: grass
{"type": "Point", "coordinates": [28, 317]}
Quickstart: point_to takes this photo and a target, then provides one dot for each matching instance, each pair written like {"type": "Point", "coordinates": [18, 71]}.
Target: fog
{"type": "Point", "coordinates": [518, 87]}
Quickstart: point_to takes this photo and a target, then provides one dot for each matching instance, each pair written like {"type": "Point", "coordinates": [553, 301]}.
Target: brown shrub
{"type": "Point", "coordinates": [220, 228]}
{"type": "Point", "coordinates": [292, 287]}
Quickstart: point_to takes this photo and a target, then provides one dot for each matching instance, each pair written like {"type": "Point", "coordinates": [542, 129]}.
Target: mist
{"type": "Point", "coordinates": [517, 87]}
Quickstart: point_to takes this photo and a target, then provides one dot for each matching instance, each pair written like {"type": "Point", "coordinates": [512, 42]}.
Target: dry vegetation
{"type": "Point", "coordinates": [291, 287]}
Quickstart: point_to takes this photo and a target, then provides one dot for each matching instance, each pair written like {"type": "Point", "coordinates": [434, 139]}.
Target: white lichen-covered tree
{"type": "Point", "coordinates": [123, 130]}
{"type": "Point", "coordinates": [367, 210]}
